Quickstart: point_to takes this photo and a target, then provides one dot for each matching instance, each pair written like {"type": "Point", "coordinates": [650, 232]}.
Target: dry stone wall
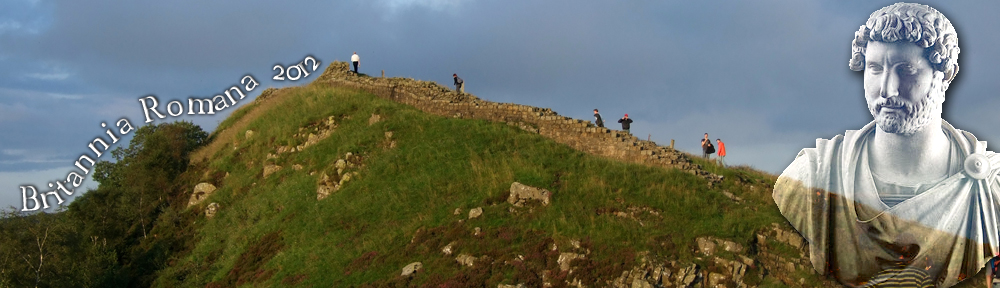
{"type": "Point", "coordinates": [579, 134]}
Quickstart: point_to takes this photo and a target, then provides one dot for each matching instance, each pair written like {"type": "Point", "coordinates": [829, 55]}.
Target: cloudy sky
{"type": "Point", "coordinates": [768, 77]}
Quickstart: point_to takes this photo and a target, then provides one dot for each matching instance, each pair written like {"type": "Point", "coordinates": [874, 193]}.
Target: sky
{"type": "Point", "coordinates": [767, 77]}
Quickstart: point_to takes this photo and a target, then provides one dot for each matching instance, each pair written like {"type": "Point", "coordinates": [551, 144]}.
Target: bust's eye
{"type": "Point", "coordinates": [874, 68]}
{"type": "Point", "coordinates": [906, 70]}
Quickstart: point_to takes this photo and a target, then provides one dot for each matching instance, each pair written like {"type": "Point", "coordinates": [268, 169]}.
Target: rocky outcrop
{"type": "Point", "coordinates": [330, 182]}
{"type": "Point", "coordinates": [270, 169]}
{"type": "Point", "coordinates": [211, 210]}
{"type": "Point", "coordinates": [475, 212]}
{"type": "Point", "coordinates": [412, 268]}
{"type": "Point", "coordinates": [465, 259]}
{"type": "Point", "coordinates": [201, 191]}
{"type": "Point", "coordinates": [520, 194]}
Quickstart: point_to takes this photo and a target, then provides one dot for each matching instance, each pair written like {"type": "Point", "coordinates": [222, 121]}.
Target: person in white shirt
{"type": "Point", "coordinates": [354, 60]}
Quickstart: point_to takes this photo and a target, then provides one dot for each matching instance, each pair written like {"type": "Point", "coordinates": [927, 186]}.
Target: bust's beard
{"type": "Point", "coordinates": [914, 117]}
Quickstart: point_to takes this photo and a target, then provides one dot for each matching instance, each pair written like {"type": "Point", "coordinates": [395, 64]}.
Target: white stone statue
{"type": "Point", "coordinates": [907, 199]}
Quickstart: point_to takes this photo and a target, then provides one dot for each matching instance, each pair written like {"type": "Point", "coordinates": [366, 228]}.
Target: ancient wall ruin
{"type": "Point", "coordinates": [579, 134]}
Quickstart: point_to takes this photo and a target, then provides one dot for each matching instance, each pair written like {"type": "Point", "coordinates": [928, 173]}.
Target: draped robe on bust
{"type": "Point", "coordinates": [936, 238]}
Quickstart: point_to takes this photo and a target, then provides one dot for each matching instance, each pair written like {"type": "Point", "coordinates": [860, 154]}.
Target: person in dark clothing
{"type": "Point", "coordinates": [626, 122]}
{"type": "Point", "coordinates": [599, 121]}
{"type": "Point", "coordinates": [459, 84]}
{"type": "Point", "coordinates": [706, 147]}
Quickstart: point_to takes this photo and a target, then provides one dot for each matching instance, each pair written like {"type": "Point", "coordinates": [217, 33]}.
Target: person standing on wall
{"type": "Point", "coordinates": [722, 152]}
{"type": "Point", "coordinates": [459, 84]}
{"type": "Point", "coordinates": [706, 147]}
{"type": "Point", "coordinates": [355, 59]}
{"type": "Point", "coordinates": [626, 123]}
{"type": "Point", "coordinates": [599, 121]}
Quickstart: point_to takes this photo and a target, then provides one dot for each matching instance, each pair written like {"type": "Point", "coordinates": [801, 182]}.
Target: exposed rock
{"type": "Point", "coordinates": [687, 276]}
{"type": "Point", "coordinates": [732, 197]}
{"type": "Point", "coordinates": [340, 165]}
{"type": "Point", "coordinates": [465, 259]}
{"type": "Point", "coordinates": [201, 191]}
{"type": "Point", "coordinates": [412, 268]}
{"type": "Point", "coordinates": [458, 211]}
{"type": "Point", "coordinates": [270, 168]}
{"type": "Point", "coordinates": [566, 258]}
{"type": "Point", "coordinates": [715, 279]}
{"type": "Point", "coordinates": [248, 134]}
{"type": "Point", "coordinates": [447, 250]}
{"type": "Point", "coordinates": [519, 285]}
{"type": "Point", "coordinates": [297, 167]}
{"type": "Point", "coordinates": [705, 246]}
{"type": "Point", "coordinates": [374, 119]}
{"type": "Point", "coordinates": [477, 231]}
{"type": "Point", "coordinates": [475, 212]}
{"type": "Point", "coordinates": [520, 193]}
{"type": "Point", "coordinates": [323, 191]}
{"type": "Point", "coordinates": [211, 209]}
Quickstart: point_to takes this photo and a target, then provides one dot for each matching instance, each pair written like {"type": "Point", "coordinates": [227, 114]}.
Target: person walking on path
{"type": "Point", "coordinates": [459, 84]}
{"type": "Point", "coordinates": [599, 121]}
{"type": "Point", "coordinates": [706, 147]}
{"type": "Point", "coordinates": [626, 123]}
{"type": "Point", "coordinates": [355, 59]}
{"type": "Point", "coordinates": [992, 281]}
{"type": "Point", "coordinates": [722, 152]}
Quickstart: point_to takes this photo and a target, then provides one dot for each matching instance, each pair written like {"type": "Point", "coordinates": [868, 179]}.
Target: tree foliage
{"type": "Point", "coordinates": [104, 237]}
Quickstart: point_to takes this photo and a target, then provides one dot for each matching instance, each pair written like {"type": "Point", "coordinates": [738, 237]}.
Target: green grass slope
{"type": "Point", "coordinates": [400, 206]}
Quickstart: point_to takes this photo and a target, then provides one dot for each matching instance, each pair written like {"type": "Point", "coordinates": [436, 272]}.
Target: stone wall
{"type": "Point", "coordinates": [579, 134]}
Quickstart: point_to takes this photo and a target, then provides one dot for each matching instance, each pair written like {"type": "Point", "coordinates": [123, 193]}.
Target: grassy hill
{"type": "Point", "coordinates": [401, 205]}
{"type": "Point", "coordinates": [329, 186]}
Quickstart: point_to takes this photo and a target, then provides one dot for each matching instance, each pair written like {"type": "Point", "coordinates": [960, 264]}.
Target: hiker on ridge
{"type": "Point", "coordinates": [626, 122]}
{"type": "Point", "coordinates": [722, 152]}
{"type": "Point", "coordinates": [459, 84]}
{"type": "Point", "coordinates": [355, 59]}
{"type": "Point", "coordinates": [599, 121]}
{"type": "Point", "coordinates": [706, 147]}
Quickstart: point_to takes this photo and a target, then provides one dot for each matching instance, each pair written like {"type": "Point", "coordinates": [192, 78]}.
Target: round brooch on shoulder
{"type": "Point", "coordinates": [977, 166]}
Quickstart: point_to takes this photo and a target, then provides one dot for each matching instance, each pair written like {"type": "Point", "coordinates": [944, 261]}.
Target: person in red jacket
{"type": "Point", "coordinates": [721, 152]}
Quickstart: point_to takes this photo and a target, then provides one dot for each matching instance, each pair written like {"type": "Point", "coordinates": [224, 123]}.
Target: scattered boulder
{"type": "Point", "coordinates": [458, 211]}
{"type": "Point", "coordinates": [565, 258]}
{"type": "Point", "coordinates": [520, 194]}
{"type": "Point", "coordinates": [705, 246]}
{"type": "Point", "coordinates": [735, 198]}
{"type": "Point", "coordinates": [465, 259]}
{"type": "Point", "coordinates": [248, 134]}
{"type": "Point", "coordinates": [297, 167]}
{"type": "Point", "coordinates": [211, 209]}
{"type": "Point", "coordinates": [201, 191]}
{"type": "Point", "coordinates": [519, 285]}
{"type": "Point", "coordinates": [374, 119]}
{"type": "Point", "coordinates": [412, 268]}
{"type": "Point", "coordinates": [447, 250]}
{"type": "Point", "coordinates": [475, 212]}
{"type": "Point", "coordinates": [270, 169]}
{"type": "Point", "coordinates": [708, 245]}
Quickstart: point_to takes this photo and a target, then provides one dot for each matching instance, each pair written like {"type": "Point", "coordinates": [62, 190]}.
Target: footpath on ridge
{"type": "Point", "coordinates": [582, 135]}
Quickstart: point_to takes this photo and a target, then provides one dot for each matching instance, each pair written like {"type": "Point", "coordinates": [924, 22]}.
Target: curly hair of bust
{"type": "Point", "coordinates": [915, 23]}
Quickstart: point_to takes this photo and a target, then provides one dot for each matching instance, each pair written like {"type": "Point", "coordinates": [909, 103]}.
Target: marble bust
{"type": "Point", "coordinates": [907, 199]}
